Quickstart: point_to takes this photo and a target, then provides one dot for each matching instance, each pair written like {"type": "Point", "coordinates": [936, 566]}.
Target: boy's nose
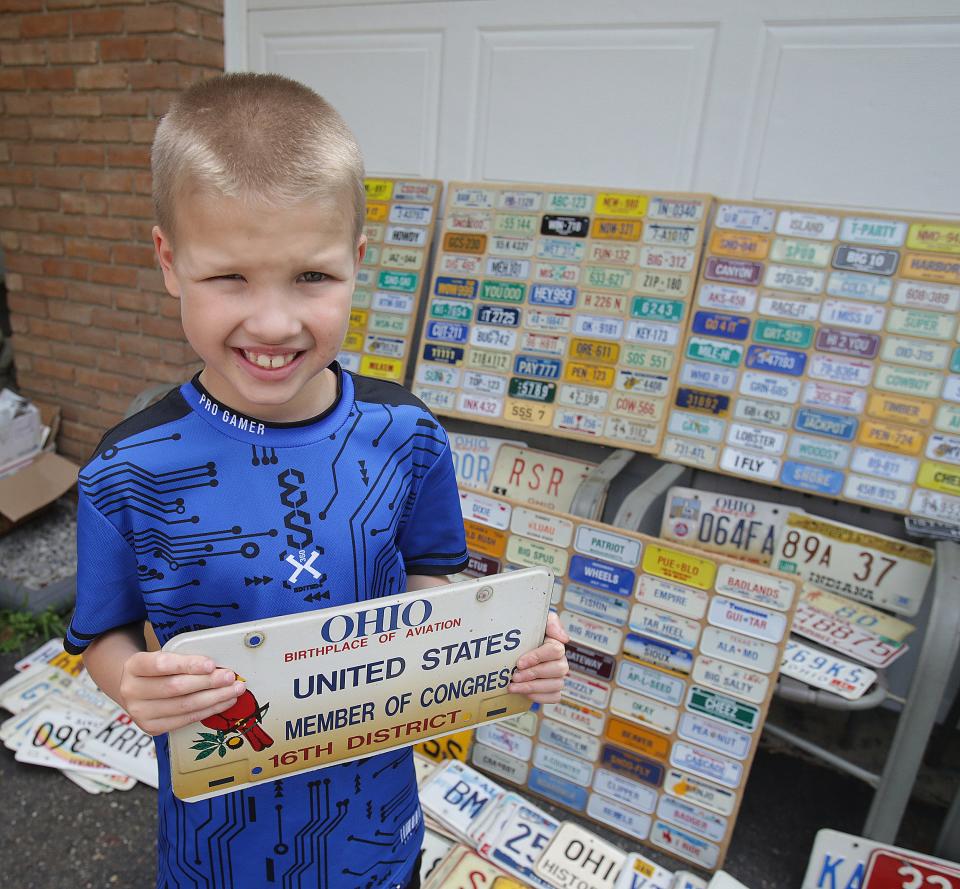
{"type": "Point", "coordinates": [271, 320]}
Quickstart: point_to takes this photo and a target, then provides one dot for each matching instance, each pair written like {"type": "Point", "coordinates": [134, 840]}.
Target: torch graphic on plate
{"type": "Point", "coordinates": [241, 720]}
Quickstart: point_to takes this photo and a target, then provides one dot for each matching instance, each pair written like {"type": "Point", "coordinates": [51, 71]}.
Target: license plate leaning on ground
{"type": "Point", "coordinates": [839, 861]}
{"type": "Point", "coordinates": [883, 571]}
{"type": "Point", "coordinates": [723, 523]}
{"type": "Point", "coordinates": [391, 672]}
{"type": "Point", "coordinates": [905, 870]}
{"type": "Point", "coordinates": [577, 858]}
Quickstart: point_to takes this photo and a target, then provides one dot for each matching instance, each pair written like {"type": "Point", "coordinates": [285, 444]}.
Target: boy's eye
{"type": "Point", "coordinates": [227, 278]}
{"type": "Point", "coordinates": [313, 277]}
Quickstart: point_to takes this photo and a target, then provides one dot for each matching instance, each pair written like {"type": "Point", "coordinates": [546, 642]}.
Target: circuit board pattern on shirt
{"type": "Point", "coordinates": [560, 308]}
{"type": "Point", "coordinates": [821, 355]}
{"type": "Point", "coordinates": [401, 219]}
{"type": "Point", "coordinates": [674, 656]}
{"type": "Point", "coordinates": [194, 516]}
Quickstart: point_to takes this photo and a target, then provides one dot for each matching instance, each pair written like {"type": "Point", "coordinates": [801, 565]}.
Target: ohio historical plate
{"type": "Point", "coordinates": [394, 671]}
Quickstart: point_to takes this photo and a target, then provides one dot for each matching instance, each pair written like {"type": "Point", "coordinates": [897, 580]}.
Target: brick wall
{"type": "Point", "coordinates": [82, 85]}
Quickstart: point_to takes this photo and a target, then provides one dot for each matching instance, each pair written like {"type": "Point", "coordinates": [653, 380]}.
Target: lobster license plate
{"type": "Point", "coordinates": [392, 672]}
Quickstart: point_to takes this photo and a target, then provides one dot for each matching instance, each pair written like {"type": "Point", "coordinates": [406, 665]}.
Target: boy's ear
{"type": "Point", "coordinates": [164, 248]}
{"type": "Point", "coordinates": [361, 248]}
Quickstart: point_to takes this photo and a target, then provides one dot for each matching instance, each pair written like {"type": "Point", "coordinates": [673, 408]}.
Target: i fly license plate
{"type": "Point", "coordinates": [337, 684]}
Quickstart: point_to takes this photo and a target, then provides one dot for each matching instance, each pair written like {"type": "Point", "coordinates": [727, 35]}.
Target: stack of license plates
{"type": "Point", "coordinates": [63, 721]}
{"type": "Point", "coordinates": [843, 630]}
{"type": "Point", "coordinates": [479, 834]}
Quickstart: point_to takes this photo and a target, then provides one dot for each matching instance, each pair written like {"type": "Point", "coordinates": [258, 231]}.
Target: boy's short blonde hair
{"type": "Point", "coordinates": [255, 136]}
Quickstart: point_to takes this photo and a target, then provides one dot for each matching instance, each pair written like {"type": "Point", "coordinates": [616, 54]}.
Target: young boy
{"type": "Point", "coordinates": [272, 483]}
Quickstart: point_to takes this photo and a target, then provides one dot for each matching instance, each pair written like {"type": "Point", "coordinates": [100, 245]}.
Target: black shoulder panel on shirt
{"type": "Point", "coordinates": [171, 407]}
{"type": "Point", "coordinates": [384, 392]}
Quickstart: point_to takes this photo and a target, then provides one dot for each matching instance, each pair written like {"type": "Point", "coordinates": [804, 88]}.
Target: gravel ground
{"type": "Point", "coordinates": [43, 549]}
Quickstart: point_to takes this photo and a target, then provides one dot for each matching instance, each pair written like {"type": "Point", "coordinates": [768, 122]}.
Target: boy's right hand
{"type": "Point", "coordinates": [163, 691]}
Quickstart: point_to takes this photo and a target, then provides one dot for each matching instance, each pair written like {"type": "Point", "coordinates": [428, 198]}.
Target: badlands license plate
{"type": "Point", "coordinates": [841, 559]}
{"type": "Point", "coordinates": [401, 669]}
{"type": "Point", "coordinates": [723, 523]}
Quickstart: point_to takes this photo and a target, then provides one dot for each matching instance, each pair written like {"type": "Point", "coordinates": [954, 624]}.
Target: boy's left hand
{"type": "Point", "coordinates": [540, 672]}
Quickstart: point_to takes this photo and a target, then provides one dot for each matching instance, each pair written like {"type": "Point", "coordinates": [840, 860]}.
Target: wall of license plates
{"type": "Point", "coordinates": [821, 355]}
{"type": "Point", "coordinates": [401, 220]}
{"type": "Point", "coordinates": [674, 656]}
{"type": "Point", "coordinates": [560, 308]}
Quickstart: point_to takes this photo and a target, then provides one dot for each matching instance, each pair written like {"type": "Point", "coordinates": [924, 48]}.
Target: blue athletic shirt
{"type": "Point", "coordinates": [192, 516]}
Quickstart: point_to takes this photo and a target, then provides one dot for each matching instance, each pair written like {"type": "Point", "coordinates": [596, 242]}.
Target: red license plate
{"type": "Point", "coordinates": [892, 870]}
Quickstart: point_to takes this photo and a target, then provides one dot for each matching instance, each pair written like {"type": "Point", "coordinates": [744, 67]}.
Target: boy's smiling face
{"type": "Point", "coordinates": [265, 296]}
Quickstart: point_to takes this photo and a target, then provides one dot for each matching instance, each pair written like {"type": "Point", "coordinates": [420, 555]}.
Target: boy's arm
{"type": "Point", "coordinates": [161, 691]}
{"type": "Point", "coordinates": [540, 673]}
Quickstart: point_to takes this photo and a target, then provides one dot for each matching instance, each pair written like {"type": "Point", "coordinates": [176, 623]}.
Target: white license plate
{"type": "Point", "coordinates": [641, 873]}
{"type": "Point", "coordinates": [723, 523]}
{"type": "Point", "coordinates": [723, 880]}
{"type": "Point", "coordinates": [396, 667]}
{"type": "Point", "coordinates": [120, 744]}
{"type": "Point", "coordinates": [842, 559]}
{"type": "Point", "coordinates": [845, 638]}
{"type": "Point", "coordinates": [587, 861]}
{"type": "Point", "coordinates": [858, 613]}
{"type": "Point", "coordinates": [683, 879]}
{"type": "Point", "coordinates": [458, 796]}
{"type": "Point", "coordinates": [537, 477]}
{"type": "Point", "coordinates": [474, 457]}
{"type": "Point", "coordinates": [839, 861]}
{"type": "Point", "coordinates": [517, 838]}
{"type": "Point", "coordinates": [823, 670]}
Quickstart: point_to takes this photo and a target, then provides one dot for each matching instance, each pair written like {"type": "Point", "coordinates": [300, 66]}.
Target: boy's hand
{"type": "Point", "coordinates": [540, 672]}
{"type": "Point", "coordinates": [163, 691]}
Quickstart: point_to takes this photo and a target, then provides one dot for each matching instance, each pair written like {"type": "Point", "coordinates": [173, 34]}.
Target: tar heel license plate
{"type": "Point", "coordinates": [723, 523]}
{"type": "Point", "coordinates": [341, 683]}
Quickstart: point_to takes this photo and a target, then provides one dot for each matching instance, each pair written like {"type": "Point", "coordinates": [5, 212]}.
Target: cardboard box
{"type": "Point", "coordinates": [31, 488]}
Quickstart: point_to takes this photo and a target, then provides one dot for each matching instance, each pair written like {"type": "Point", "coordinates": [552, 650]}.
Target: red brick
{"type": "Point", "coordinates": [45, 287]}
{"type": "Point", "coordinates": [7, 6]}
{"type": "Point", "coordinates": [115, 49]}
{"type": "Point", "coordinates": [66, 268]}
{"type": "Point", "coordinates": [27, 304]}
{"type": "Point", "coordinates": [211, 26]}
{"type": "Point", "coordinates": [23, 54]}
{"type": "Point", "coordinates": [188, 20]}
{"type": "Point", "coordinates": [101, 21]}
{"type": "Point", "coordinates": [16, 176]}
{"type": "Point", "coordinates": [135, 301]}
{"type": "Point", "coordinates": [111, 229]}
{"type": "Point", "coordinates": [166, 328]}
{"type": "Point", "coordinates": [47, 245]}
{"type": "Point", "coordinates": [85, 249]}
{"type": "Point", "coordinates": [102, 77]}
{"type": "Point", "coordinates": [71, 4]}
{"type": "Point", "coordinates": [9, 26]}
{"type": "Point", "coordinates": [66, 310]}
{"type": "Point", "coordinates": [142, 131]}
{"type": "Point", "coordinates": [37, 199]}
{"type": "Point", "coordinates": [128, 254]}
{"type": "Point", "coordinates": [165, 47]}
{"type": "Point", "coordinates": [104, 131]}
{"type": "Point", "coordinates": [56, 369]}
{"type": "Point", "coordinates": [32, 154]}
{"type": "Point", "coordinates": [93, 294]}
{"type": "Point", "coordinates": [19, 324]}
{"type": "Point", "coordinates": [6, 197]}
{"type": "Point", "coordinates": [5, 152]}
{"type": "Point", "coordinates": [151, 281]}
{"type": "Point", "coordinates": [42, 387]}
{"type": "Point", "coordinates": [77, 394]}
{"type": "Point", "coordinates": [108, 180]}
{"type": "Point", "coordinates": [160, 101]}
{"type": "Point", "coordinates": [21, 262]}
{"type": "Point", "coordinates": [81, 155]}
{"type": "Point", "coordinates": [29, 104]}
{"type": "Point", "coordinates": [61, 224]}
{"type": "Point", "coordinates": [113, 275]}
{"type": "Point", "coordinates": [32, 346]}
{"type": "Point", "coordinates": [128, 155]}
{"type": "Point", "coordinates": [73, 52]}
{"type": "Point", "coordinates": [79, 105]}
{"type": "Point", "coordinates": [88, 204]}
{"type": "Point", "coordinates": [71, 354]}
{"type": "Point", "coordinates": [116, 319]}
{"type": "Point", "coordinates": [143, 183]}
{"type": "Point", "coordinates": [12, 79]}
{"type": "Point", "coordinates": [14, 129]}
{"type": "Point", "coordinates": [122, 365]}
{"type": "Point", "coordinates": [9, 241]}
{"type": "Point", "coordinates": [145, 19]}
{"type": "Point", "coordinates": [154, 75]}
{"type": "Point", "coordinates": [50, 78]}
{"type": "Point", "coordinates": [55, 130]}
{"type": "Point", "coordinates": [130, 205]}
{"type": "Point", "coordinates": [125, 105]}
{"type": "Point", "coordinates": [94, 336]}
{"type": "Point", "coordinates": [57, 178]}
{"type": "Point", "coordinates": [47, 25]}
{"type": "Point", "coordinates": [202, 52]}
{"type": "Point", "coordinates": [52, 330]}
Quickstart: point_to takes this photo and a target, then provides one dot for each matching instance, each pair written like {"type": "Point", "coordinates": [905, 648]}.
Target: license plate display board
{"type": "Point", "coordinates": [673, 655]}
{"type": "Point", "coordinates": [403, 669]}
{"type": "Point", "coordinates": [560, 308]}
{"type": "Point", "coordinates": [822, 355]}
{"type": "Point", "coordinates": [401, 220]}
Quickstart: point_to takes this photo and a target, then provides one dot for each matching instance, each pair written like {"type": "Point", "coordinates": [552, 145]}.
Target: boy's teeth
{"type": "Point", "coordinates": [269, 361]}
